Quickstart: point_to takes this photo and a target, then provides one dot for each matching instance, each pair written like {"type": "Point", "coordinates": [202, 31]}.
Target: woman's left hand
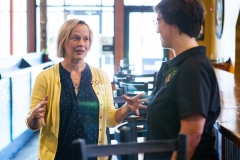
{"type": "Point", "coordinates": [135, 102]}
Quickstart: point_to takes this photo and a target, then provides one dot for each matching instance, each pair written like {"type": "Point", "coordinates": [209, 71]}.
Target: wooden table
{"type": "Point", "coordinates": [228, 122]}
{"type": "Point", "coordinates": [221, 65]}
{"type": "Point", "coordinates": [229, 119]}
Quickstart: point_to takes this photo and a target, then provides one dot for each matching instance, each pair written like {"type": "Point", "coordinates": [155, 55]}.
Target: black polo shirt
{"type": "Point", "coordinates": [185, 85]}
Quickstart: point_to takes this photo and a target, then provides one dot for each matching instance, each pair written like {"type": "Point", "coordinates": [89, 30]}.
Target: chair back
{"type": "Point", "coordinates": [122, 78]}
{"type": "Point", "coordinates": [150, 78]}
{"type": "Point", "coordinates": [133, 122]}
{"type": "Point", "coordinates": [134, 88]}
{"type": "Point", "coordinates": [84, 151]}
{"type": "Point", "coordinates": [129, 131]}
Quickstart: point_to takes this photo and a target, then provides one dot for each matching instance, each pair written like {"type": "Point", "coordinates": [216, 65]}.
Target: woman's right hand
{"type": "Point", "coordinates": [134, 103]}
{"type": "Point", "coordinates": [38, 113]}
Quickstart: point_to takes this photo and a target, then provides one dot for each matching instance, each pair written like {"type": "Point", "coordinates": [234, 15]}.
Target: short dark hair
{"type": "Point", "coordinates": [188, 15]}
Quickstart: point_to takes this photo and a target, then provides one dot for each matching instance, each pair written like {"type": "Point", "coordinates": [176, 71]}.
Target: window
{"type": "Point", "coordinates": [142, 44]}
{"type": "Point", "coordinates": [141, 2]}
{"type": "Point", "coordinates": [97, 13]}
{"type": "Point", "coordinates": [85, 3]}
{"type": "Point", "coordinates": [20, 27]}
{"type": "Point", "coordinates": [5, 34]}
{"type": "Point", "coordinates": [5, 29]}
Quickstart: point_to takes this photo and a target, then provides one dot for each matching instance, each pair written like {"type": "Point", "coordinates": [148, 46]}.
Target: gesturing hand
{"type": "Point", "coordinates": [39, 111]}
{"type": "Point", "coordinates": [135, 102]}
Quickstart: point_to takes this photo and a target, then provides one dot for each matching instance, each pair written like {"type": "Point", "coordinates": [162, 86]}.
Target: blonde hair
{"type": "Point", "coordinates": [65, 33]}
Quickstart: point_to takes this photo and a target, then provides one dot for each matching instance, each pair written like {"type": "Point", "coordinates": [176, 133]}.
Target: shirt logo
{"type": "Point", "coordinates": [170, 74]}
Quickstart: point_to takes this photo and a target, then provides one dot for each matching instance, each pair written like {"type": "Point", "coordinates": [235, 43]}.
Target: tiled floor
{"type": "Point", "coordinates": [29, 151]}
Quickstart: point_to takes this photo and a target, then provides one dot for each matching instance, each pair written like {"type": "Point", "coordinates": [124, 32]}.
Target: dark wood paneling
{"type": "Point", "coordinates": [31, 26]}
{"type": "Point", "coordinates": [43, 24]}
{"type": "Point", "coordinates": [118, 33]}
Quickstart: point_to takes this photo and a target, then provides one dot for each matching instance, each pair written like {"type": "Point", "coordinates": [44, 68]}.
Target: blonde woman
{"type": "Point", "coordinates": [73, 99]}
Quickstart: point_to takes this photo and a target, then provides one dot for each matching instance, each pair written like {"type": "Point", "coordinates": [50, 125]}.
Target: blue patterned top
{"type": "Point", "coordinates": [78, 113]}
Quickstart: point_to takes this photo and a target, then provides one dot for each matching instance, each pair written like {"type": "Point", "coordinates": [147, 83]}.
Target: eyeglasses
{"type": "Point", "coordinates": [156, 22]}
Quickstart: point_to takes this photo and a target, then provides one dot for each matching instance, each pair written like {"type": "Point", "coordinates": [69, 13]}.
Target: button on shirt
{"type": "Point", "coordinates": [78, 113]}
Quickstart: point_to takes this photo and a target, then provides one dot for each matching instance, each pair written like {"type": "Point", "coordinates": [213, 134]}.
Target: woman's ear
{"type": "Point", "coordinates": [174, 29]}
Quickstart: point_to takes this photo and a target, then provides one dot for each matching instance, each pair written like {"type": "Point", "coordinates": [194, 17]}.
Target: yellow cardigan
{"type": "Point", "coordinates": [48, 83]}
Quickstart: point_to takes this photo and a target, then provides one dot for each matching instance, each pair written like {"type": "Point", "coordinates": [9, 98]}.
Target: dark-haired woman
{"type": "Point", "coordinates": [186, 98]}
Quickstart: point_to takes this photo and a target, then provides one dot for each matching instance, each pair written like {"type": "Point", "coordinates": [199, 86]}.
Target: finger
{"type": "Point", "coordinates": [42, 111]}
{"type": "Point", "coordinates": [46, 98]}
{"type": "Point", "coordinates": [41, 114]}
{"type": "Point", "coordinates": [41, 117]}
{"type": "Point", "coordinates": [43, 121]}
{"type": "Point", "coordinates": [142, 106]}
{"type": "Point", "coordinates": [137, 112]}
{"type": "Point", "coordinates": [125, 97]}
{"type": "Point", "coordinates": [143, 100]}
{"type": "Point", "coordinates": [139, 95]}
{"type": "Point", "coordinates": [43, 102]}
{"type": "Point", "coordinates": [135, 97]}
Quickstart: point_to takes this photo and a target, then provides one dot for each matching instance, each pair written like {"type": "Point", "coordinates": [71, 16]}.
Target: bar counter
{"type": "Point", "coordinates": [228, 123]}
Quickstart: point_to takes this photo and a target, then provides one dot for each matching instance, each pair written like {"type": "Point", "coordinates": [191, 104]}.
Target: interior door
{"type": "Point", "coordinates": [143, 47]}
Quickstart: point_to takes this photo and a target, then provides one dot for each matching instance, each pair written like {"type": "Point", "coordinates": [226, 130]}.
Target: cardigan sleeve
{"type": "Point", "coordinates": [38, 93]}
{"type": "Point", "coordinates": [111, 110]}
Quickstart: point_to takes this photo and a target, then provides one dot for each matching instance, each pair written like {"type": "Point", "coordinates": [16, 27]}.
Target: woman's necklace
{"type": "Point", "coordinates": [75, 84]}
{"type": "Point", "coordinates": [76, 77]}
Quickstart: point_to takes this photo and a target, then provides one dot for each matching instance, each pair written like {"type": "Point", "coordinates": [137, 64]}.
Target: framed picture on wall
{"type": "Point", "coordinates": [201, 34]}
{"type": "Point", "coordinates": [219, 17]}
